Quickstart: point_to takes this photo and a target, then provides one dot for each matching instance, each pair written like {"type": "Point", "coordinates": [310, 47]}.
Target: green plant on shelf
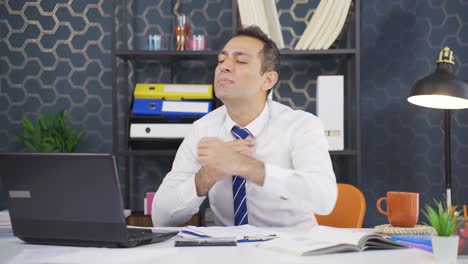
{"type": "Point", "coordinates": [49, 132]}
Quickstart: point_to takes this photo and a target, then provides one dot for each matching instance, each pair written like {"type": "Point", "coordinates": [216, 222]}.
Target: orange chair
{"type": "Point", "coordinates": [349, 210]}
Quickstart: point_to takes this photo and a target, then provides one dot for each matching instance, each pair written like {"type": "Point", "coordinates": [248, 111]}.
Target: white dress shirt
{"type": "Point", "coordinates": [299, 178]}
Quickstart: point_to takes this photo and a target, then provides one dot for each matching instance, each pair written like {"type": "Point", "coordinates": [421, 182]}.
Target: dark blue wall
{"type": "Point", "coordinates": [56, 54]}
{"type": "Point", "coordinates": [403, 147]}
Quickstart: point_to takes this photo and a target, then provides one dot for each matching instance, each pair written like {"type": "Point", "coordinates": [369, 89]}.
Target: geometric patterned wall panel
{"type": "Point", "coordinates": [56, 55]}
{"type": "Point", "coordinates": [403, 144]}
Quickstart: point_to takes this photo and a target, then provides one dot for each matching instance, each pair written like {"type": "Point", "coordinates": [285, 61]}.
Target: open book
{"type": "Point", "coordinates": [326, 240]}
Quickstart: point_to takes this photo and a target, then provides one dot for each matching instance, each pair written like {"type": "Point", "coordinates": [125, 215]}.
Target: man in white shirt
{"type": "Point", "coordinates": [279, 175]}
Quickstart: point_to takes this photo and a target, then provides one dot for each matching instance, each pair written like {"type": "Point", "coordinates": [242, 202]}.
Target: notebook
{"type": "Point", "coordinates": [69, 199]}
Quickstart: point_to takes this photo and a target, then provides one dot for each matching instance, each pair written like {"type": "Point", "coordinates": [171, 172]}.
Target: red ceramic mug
{"type": "Point", "coordinates": [402, 208]}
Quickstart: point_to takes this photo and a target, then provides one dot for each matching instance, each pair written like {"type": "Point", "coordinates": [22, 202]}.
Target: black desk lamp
{"type": "Point", "coordinates": [442, 90]}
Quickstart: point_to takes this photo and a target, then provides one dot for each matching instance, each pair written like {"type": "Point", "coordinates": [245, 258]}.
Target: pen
{"type": "Point", "coordinates": [193, 233]}
{"type": "Point", "coordinates": [259, 238]}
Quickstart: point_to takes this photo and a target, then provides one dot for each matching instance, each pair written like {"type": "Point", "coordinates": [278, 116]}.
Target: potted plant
{"type": "Point", "coordinates": [49, 133]}
{"type": "Point", "coordinates": [445, 221]}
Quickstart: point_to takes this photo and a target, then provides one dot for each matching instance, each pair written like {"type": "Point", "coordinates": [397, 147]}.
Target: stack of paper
{"type": "Point", "coordinates": [5, 224]}
{"type": "Point", "coordinates": [326, 25]}
{"type": "Point", "coordinates": [263, 14]}
{"type": "Point", "coordinates": [243, 232]}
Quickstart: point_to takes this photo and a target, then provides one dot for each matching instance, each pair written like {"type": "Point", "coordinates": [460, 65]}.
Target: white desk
{"type": "Point", "coordinates": [13, 250]}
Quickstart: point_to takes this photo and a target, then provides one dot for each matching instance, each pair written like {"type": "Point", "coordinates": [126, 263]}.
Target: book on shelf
{"type": "Point", "coordinates": [173, 91]}
{"type": "Point", "coordinates": [314, 25]}
{"type": "Point", "coordinates": [245, 13]}
{"type": "Point", "coordinates": [259, 16]}
{"type": "Point", "coordinates": [274, 27]}
{"type": "Point", "coordinates": [327, 25]}
{"type": "Point", "coordinates": [264, 15]}
{"type": "Point", "coordinates": [168, 131]}
{"type": "Point", "coordinates": [170, 109]}
{"type": "Point", "coordinates": [324, 30]}
{"type": "Point", "coordinates": [342, 23]}
{"type": "Point", "coordinates": [330, 109]}
{"type": "Point", "coordinates": [326, 240]}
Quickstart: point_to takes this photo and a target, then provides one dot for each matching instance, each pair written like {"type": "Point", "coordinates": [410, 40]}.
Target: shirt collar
{"type": "Point", "coordinates": [255, 127]}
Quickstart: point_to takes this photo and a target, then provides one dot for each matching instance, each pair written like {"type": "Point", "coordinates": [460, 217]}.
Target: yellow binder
{"type": "Point", "coordinates": [173, 91]}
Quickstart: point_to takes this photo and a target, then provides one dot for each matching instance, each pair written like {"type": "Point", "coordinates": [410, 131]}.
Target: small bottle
{"type": "Point", "coordinates": [182, 32]}
{"type": "Point", "coordinates": [150, 42]}
{"type": "Point", "coordinates": [198, 42]}
{"type": "Point", "coordinates": [157, 42]}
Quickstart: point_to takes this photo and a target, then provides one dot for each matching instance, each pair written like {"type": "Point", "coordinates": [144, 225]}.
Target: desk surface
{"type": "Point", "coordinates": [13, 250]}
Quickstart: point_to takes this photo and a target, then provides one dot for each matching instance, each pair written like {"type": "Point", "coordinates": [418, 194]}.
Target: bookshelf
{"type": "Point", "coordinates": [200, 55]}
{"type": "Point", "coordinates": [347, 56]}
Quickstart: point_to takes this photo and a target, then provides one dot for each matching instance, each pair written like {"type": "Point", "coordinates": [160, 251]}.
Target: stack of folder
{"type": "Point", "coordinates": [422, 242]}
{"type": "Point", "coordinates": [167, 111]}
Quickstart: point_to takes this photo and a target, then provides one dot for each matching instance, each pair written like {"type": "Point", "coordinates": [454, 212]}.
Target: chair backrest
{"type": "Point", "coordinates": [349, 210]}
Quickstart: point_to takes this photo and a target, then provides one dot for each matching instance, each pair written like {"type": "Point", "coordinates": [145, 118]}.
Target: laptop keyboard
{"type": "Point", "coordinates": [144, 234]}
{"type": "Point", "coordinates": [139, 234]}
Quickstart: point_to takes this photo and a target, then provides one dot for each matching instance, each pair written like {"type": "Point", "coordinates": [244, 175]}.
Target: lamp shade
{"type": "Point", "coordinates": [441, 89]}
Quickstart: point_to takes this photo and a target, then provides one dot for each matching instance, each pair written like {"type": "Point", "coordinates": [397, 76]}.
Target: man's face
{"type": "Point", "coordinates": [237, 75]}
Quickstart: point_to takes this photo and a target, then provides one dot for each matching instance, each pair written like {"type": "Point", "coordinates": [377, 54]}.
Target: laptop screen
{"type": "Point", "coordinates": [63, 196]}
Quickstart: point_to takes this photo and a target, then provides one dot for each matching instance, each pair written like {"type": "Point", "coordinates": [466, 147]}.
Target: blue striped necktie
{"type": "Point", "coordinates": [241, 216]}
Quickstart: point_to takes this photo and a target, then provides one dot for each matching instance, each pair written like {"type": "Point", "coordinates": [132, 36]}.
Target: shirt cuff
{"type": "Point", "coordinates": [275, 180]}
{"type": "Point", "coordinates": [188, 195]}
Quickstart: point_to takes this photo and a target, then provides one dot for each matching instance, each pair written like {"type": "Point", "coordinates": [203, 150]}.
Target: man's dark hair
{"type": "Point", "coordinates": [269, 55]}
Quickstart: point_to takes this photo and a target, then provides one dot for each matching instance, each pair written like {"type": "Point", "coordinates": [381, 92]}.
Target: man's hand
{"type": "Point", "coordinates": [205, 178]}
{"type": "Point", "coordinates": [242, 146]}
{"type": "Point", "coordinates": [210, 173]}
{"type": "Point", "coordinates": [227, 157]}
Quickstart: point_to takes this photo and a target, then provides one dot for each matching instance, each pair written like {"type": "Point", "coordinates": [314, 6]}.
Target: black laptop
{"type": "Point", "coordinates": [69, 199]}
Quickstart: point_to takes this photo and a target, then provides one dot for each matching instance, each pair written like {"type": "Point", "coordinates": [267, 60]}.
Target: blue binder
{"type": "Point", "coordinates": [171, 109]}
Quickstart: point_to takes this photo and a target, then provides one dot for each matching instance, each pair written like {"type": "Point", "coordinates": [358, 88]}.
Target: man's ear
{"type": "Point", "coordinates": [271, 78]}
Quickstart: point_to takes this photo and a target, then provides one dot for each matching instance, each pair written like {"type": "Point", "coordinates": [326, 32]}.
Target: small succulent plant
{"type": "Point", "coordinates": [444, 220]}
